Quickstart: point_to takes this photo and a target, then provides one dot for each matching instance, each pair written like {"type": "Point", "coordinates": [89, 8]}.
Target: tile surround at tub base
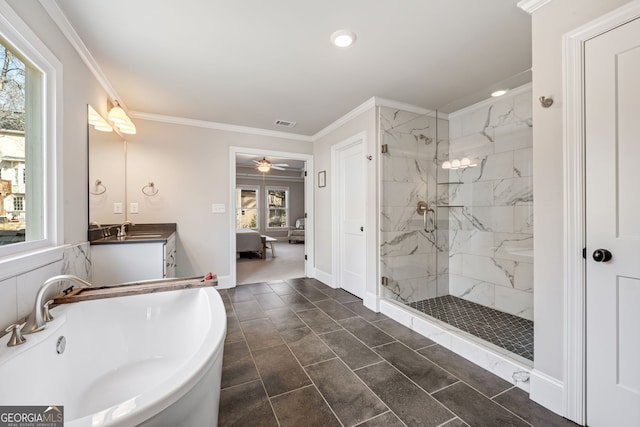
{"type": "Point", "coordinates": [500, 362]}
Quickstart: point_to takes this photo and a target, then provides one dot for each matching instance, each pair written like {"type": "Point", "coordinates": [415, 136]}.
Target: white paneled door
{"type": "Point", "coordinates": [612, 94]}
{"type": "Point", "coordinates": [351, 218]}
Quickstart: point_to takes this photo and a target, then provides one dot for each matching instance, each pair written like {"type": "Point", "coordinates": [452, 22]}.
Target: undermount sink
{"type": "Point", "coordinates": [142, 236]}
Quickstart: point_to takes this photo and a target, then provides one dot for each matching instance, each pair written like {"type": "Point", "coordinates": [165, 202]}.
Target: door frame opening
{"type": "Point", "coordinates": [308, 204]}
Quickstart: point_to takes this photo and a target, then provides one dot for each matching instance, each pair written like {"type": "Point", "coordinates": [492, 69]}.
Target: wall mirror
{"type": "Point", "coordinates": [107, 172]}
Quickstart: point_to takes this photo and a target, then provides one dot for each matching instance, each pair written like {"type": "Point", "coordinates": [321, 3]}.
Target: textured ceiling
{"type": "Point", "coordinates": [251, 62]}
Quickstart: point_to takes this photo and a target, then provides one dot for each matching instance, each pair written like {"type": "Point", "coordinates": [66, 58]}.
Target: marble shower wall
{"type": "Point", "coordinates": [408, 254]}
{"type": "Point", "coordinates": [491, 218]}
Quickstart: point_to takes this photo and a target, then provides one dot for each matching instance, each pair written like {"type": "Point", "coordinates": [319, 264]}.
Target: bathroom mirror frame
{"type": "Point", "coordinates": [106, 157]}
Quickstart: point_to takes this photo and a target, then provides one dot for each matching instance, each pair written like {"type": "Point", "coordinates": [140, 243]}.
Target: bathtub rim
{"type": "Point", "coordinates": [160, 398]}
{"type": "Point", "coordinates": [152, 401]}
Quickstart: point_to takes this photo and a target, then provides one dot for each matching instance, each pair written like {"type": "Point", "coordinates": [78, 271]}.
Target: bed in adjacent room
{"type": "Point", "coordinates": [248, 240]}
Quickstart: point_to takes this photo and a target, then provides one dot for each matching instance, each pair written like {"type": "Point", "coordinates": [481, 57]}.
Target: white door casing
{"type": "Point", "coordinates": [350, 187]}
{"type": "Point", "coordinates": [568, 397]}
{"type": "Point", "coordinates": [230, 281]}
{"type": "Point", "coordinates": [612, 130]}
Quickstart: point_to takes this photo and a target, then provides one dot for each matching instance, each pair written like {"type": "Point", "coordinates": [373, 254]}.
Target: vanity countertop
{"type": "Point", "coordinates": [136, 233]}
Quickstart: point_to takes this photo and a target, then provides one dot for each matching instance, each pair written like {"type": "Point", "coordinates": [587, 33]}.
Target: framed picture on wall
{"type": "Point", "coordinates": [322, 179]}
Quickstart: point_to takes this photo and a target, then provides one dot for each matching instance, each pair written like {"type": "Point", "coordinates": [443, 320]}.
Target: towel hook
{"type": "Point", "coordinates": [99, 184]}
{"type": "Point", "coordinates": [545, 102]}
{"type": "Point", "coordinates": [150, 189]}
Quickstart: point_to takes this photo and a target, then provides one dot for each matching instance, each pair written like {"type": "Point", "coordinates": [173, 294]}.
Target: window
{"type": "Point", "coordinates": [18, 203]}
{"type": "Point", "coordinates": [247, 207]}
{"type": "Point", "coordinates": [278, 207]}
{"type": "Point", "coordinates": [15, 89]}
{"type": "Point", "coordinates": [30, 97]}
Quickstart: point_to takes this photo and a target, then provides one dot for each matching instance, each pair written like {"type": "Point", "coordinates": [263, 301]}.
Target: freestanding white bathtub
{"type": "Point", "coordinates": [151, 360]}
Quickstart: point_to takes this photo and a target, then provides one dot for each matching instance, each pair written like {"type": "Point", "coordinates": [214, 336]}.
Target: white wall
{"type": "Point", "coordinates": [366, 121]}
{"type": "Point", "coordinates": [190, 168]}
{"type": "Point", "coordinates": [18, 288]}
{"type": "Point", "coordinates": [549, 24]}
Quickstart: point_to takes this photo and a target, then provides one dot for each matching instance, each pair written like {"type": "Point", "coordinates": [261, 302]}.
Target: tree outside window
{"type": "Point", "coordinates": [247, 207]}
{"type": "Point", "coordinates": [278, 207]}
{"type": "Point", "coordinates": [13, 179]}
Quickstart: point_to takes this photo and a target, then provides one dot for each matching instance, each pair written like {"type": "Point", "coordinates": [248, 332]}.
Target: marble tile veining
{"type": "Point", "coordinates": [482, 250]}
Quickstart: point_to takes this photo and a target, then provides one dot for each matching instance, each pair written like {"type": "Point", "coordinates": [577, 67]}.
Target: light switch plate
{"type": "Point", "coordinates": [117, 208]}
{"type": "Point", "coordinates": [218, 208]}
{"type": "Point", "coordinates": [133, 208]}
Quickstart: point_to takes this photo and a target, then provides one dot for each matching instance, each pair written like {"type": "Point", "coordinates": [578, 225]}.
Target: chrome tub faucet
{"type": "Point", "coordinates": [38, 319]}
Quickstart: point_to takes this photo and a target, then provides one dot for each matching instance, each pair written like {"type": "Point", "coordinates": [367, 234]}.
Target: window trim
{"type": "Point", "coordinates": [266, 205]}
{"type": "Point", "coordinates": [256, 188]}
{"type": "Point", "coordinates": [24, 41]}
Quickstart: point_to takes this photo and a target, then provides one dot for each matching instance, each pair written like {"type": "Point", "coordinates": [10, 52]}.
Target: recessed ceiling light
{"type": "Point", "coordinates": [499, 92]}
{"type": "Point", "coordinates": [343, 38]}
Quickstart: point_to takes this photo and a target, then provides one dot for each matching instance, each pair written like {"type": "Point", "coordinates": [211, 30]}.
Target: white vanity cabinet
{"type": "Point", "coordinates": [133, 260]}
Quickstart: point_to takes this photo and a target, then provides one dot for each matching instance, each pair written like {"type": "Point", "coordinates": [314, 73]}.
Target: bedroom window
{"type": "Point", "coordinates": [247, 207]}
{"type": "Point", "coordinates": [278, 207]}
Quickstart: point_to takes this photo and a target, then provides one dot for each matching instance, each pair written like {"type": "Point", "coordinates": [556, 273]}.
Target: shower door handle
{"type": "Point", "coordinates": [424, 210]}
{"type": "Point", "coordinates": [432, 228]}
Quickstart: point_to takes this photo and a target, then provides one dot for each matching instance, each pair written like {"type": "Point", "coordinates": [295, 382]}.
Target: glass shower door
{"type": "Point", "coordinates": [411, 243]}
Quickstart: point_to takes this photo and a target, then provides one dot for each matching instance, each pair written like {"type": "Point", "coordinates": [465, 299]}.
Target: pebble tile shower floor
{"type": "Point", "coordinates": [299, 353]}
{"type": "Point", "coordinates": [505, 330]}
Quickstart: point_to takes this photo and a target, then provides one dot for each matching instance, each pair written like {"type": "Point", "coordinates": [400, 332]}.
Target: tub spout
{"type": "Point", "coordinates": [37, 319]}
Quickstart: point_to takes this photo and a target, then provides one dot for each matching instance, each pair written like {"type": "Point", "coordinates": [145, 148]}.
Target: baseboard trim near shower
{"type": "Point", "coordinates": [324, 277]}
{"type": "Point", "coordinates": [547, 391]}
{"type": "Point", "coordinates": [497, 362]}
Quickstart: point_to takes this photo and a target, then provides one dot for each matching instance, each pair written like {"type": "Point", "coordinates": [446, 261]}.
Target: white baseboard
{"type": "Point", "coordinates": [371, 301]}
{"type": "Point", "coordinates": [547, 391]}
{"type": "Point", "coordinates": [224, 282]}
{"type": "Point", "coordinates": [325, 278]}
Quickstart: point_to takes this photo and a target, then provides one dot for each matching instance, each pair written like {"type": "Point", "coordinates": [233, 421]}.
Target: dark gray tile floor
{"type": "Point", "coordinates": [505, 330]}
{"type": "Point", "coordinates": [299, 353]}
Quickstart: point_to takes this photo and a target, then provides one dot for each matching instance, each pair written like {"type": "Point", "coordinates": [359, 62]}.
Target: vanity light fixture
{"type": "Point", "coordinates": [97, 121]}
{"type": "Point", "coordinates": [121, 120]}
{"type": "Point", "coordinates": [500, 92]}
{"type": "Point", "coordinates": [343, 38]}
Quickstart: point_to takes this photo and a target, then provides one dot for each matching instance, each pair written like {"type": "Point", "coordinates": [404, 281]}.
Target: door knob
{"type": "Point", "coordinates": [361, 228]}
{"type": "Point", "coordinates": [602, 255]}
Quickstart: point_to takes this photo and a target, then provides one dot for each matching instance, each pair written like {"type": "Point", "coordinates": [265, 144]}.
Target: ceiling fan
{"type": "Point", "coordinates": [265, 165]}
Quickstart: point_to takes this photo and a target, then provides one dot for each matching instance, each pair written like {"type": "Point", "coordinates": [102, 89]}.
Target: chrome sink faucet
{"type": "Point", "coordinates": [37, 320]}
{"type": "Point", "coordinates": [123, 228]}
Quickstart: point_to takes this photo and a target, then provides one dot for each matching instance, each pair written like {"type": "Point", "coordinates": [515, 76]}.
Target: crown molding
{"type": "Point", "coordinates": [218, 126]}
{"type": "Point", "coordinates": [57, 15]}
{"type": "Point", "coordinates": [490, 101]}
{"type": "Point", "coordinates": [397, 105]}
{"type": "Point", "coordinates": [374, 101]}
{"type": "Point", "coordinates": [531, 6]}
{"type": "Point", "coordinates": [60, 19]}
{"type": "Point", "coordinates": [365, 106]}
